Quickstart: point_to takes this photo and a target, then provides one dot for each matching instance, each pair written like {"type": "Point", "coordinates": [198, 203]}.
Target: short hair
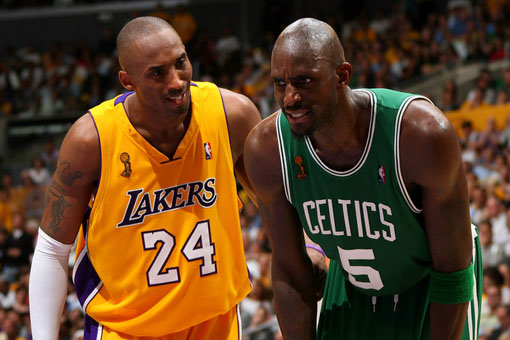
{"type": "Point", "coordinates": [138, 28]}
{"type": "Point", "coordinates": [314, 35]}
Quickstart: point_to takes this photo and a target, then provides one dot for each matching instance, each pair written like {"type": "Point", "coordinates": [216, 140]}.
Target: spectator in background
{"type": "Point", "coordinates": [184, 23]}
{"type": "Point", "coordinates": [483, 91]}
{"type": "Point", "coordinates": [259, 295]}
{"type": "Point", "coordinates": [504, 270]}
{"type": "Point", "coordinates": [15, 193]}
{"type": "Point", "coordinates": [492, 253]}
{"type": "Point", "coordinates": [10, 330]}
{"type": "Point", "coordinates": [495, 212]}
{"type": "Point", "coordinates": [449, 96]}
{"type": "Point", "coordinates": [467, 140]}
{"type": "Point", "coordinates": [475, 100]}
{"type": "Point", "coordinates": [7, 295]}
{"type": "Point", "coordinates": [504, 136]}
{"type": "Point", "coordinates": [160, 12]}
{"type": "Point", "coordinates": [49, 155]}
{"type": "Point", "coordinates": [228, 47]}
{"type": "Point", "coordinates": [488, 317]}
{"type": "Point", "coordinates": [106, 44]}
{"type": "Point", "coordinates": [477, 203]}
{"type": "Point", "coordinates": [503, 86]}
{"type": "Point", "coordinates": [260, 327]}
{"type": "Point", "coordinates": [34, 198]}
{"type": "Point", "coordinates": [489, 138]}
{"type": "Point", "coordinates": [6, 210]}
{"type": "Point", "coordinates": [21, 302]}
{"type": "Point", "coordinates": [39, 174]}
{"type": "Point", "coordinates": [503, 315]}
{"type": "Point", "coordinates": [19, 248]}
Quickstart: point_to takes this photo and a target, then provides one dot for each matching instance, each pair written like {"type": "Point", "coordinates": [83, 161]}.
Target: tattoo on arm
{"type": "Point", "coordinates": [66, 177]}
{"type": "Point", "coordinates": [56, 201]}
{"type": "Point", "coordinates": [57, 206]}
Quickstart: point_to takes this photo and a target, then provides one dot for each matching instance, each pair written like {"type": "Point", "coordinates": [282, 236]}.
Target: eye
{"type": "Point", "coordinates": [303, 80]}
{"type": "Point", "coordinates": [180, 63]}
{"type": "Point", "coordinates": [279, 82]}
{"type": "Point", "coordinates": [156, 72]}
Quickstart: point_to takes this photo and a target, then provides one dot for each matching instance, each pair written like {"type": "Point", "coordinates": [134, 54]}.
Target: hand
{"type": "Point", "coordinates": [320, 270]}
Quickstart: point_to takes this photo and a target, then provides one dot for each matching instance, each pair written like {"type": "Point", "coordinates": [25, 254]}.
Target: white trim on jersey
{"type": "Point", "coordinates": [77, 263]}
{"type": "Point", "coordinates": [366, 151]}
{"type": "Point", "coordinates": [99, 332]}
{"type": "Point", "coordinates": [239, 322]}
{"type": "Point", "coordinates": [472, 313]}
{"type": "Point", "coordinates": [396, 150]}
{"type": "Point", "coordinates": [283, 159]}
{"type": "Point", "coordinates": [92, 295]}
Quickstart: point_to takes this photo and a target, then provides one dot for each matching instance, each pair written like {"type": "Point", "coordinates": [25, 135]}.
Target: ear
{"type": "Point", "coordinates": [344, 74]}
{"type": "Point", "coordinates": [125, 80]}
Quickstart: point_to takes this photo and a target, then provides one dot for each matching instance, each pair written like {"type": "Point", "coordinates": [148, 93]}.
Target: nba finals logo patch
{"type": "Point", "coordinates": [124, 158]}
{"type": "Point", "coordinates": [299, 162]}
{"type": "Point", "coordinates": [381, 174]}
{"type": "Point", "coordinates": [208, 150]}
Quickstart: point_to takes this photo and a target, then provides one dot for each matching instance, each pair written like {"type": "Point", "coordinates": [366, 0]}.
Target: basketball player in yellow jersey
{"type": "Point", "coordinates": [150, 176]}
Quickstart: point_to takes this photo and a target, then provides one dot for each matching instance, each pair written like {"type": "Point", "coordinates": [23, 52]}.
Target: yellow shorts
{"type": "Point", "coordinates": [223, 327]}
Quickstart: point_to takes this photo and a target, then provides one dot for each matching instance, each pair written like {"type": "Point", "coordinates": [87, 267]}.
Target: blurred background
{"type": "Point", "coordinates": [58, 59]}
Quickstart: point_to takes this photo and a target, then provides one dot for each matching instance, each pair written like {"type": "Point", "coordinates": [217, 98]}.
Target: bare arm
{"type": "Point", "coordinates": [432, 165]}
{"type": "Point", "coordinates": [66, 200]}
{"type": "Point", "coordinates": [242, 116]}
{"type": "Point", "coordinates": [292, 273]}
{"type": "Point", "coordinates": [73, 182]}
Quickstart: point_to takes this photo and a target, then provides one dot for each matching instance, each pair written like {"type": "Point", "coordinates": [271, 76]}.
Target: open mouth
{"type": "Point", "coordinates": [297, 115]}
{"type": "Point", "coordinates": [178, 100]}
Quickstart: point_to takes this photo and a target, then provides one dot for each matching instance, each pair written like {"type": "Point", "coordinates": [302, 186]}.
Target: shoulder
{"type": "Point", "coordinates": [242, 116]}
{"type": "Point", "coordinates": [425, 128]}
{"type": "Point", "coordinates": [83, 131]}
{"type": "Point", "coordinates": [262, 157]}
{"type": "Point", "coordinates": [82, 139]}
{"type": "Point", "coordinates": [263, 134]}
{"type": "Point", "coordinates": [429, 144]}
{"type": "Point", "coordinates": [238, 105]}
{"type": "Point", "coordinates": [424, 118]}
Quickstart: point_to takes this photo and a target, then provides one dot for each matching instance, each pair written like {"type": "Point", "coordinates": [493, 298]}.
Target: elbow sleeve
{"type": "Point", "coordinates": [48, 286]}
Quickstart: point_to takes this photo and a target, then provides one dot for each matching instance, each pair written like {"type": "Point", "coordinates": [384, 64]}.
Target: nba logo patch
{"type": "Point", "coordinates": [208, 150]}
{"type": "Point", "coordinates": [381, 174]}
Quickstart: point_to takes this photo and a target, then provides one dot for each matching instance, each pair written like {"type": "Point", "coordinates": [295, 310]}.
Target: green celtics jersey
{"type": "Point", "coordinates": [363, 217]}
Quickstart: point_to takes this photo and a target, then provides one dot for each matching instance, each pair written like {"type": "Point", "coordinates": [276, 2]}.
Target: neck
{"type": "Point", "coordinates": [163, 132]}
{"type": "Point", "coordinates": [349, 127]}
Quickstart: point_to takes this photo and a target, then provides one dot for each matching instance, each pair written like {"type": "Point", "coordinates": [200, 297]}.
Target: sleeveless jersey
{"type": "Point", "coordinates": [161, 248]}
{"type": "Point", "coordinates": [363, 217]}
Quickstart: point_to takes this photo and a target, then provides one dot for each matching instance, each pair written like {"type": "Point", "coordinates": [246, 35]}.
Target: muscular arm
{"type": "Point", "coordinates": [73, 182]}
{"type": "Point", "coordinates": [432, 165]}
{"type": "Point", "coordinates": [292, 274]}
{"type": "Point", "coordinates": [242, 116]}
{"type": "Point", "coordinates": [66, 200]}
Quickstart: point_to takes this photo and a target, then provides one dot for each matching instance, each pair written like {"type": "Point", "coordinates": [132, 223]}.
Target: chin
{"type": "Point", "coordinates": [300, 131]}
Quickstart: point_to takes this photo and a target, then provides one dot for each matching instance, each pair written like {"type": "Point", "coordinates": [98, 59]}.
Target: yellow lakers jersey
{"type": "Point", "coordinates": [161, 247]}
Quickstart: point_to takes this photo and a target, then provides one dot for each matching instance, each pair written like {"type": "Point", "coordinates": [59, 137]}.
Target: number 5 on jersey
{"type": "Point", "coordinates": [198, 247]}
{"type": "Point", "coordinates": [369, 273]}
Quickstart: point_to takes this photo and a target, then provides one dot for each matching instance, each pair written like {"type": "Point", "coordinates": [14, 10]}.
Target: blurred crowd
{"type": "Point", "coordinates": [385, 49]}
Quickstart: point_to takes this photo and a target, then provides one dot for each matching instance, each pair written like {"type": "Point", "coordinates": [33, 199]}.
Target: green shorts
{"type": "Point", "coordinates": [349, 314]}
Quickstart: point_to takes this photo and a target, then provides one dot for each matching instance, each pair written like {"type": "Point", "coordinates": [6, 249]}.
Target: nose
{"type": "Point", "coordinates": [174, 80]}
{"type": "Point", "coordinates": [291, 96]}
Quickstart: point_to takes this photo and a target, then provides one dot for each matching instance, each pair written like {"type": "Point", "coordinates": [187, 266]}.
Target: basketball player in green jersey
{"type": "Point", "coordinates": [375, 178]}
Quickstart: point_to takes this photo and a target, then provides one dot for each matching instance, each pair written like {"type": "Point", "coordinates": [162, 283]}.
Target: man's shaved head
{"type": "Point", "coordinates": [138, 28]}
{"type": "Point", "coordinates": [312, 35]}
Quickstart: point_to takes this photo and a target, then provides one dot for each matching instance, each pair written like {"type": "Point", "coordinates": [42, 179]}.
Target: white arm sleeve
{"type": "Point", "coordinates": [48, 286]}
